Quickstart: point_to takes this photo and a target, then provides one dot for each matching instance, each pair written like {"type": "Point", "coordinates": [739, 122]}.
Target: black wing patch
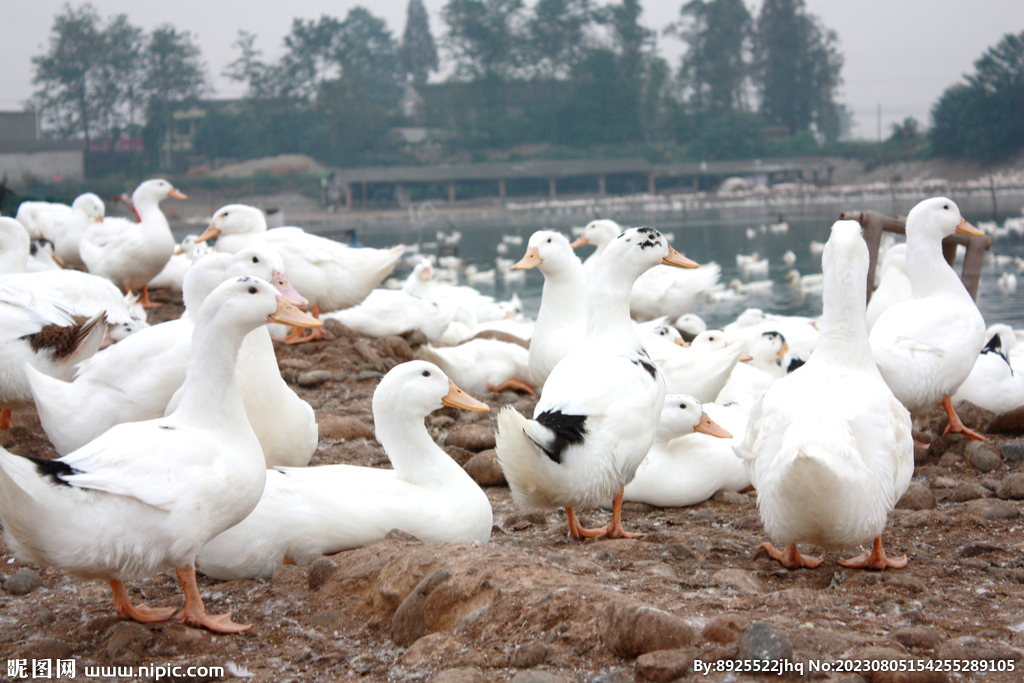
{"type": "Point", "coordinates": [647, 365]}
{"type": "Point", "coordinates": [55, 469]}
{"type": "Point", "coordinates": [568, 430]}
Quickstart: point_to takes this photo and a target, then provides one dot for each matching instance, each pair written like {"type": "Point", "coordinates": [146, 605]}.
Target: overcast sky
{"type": "Point", "coordinates": [900, 54]}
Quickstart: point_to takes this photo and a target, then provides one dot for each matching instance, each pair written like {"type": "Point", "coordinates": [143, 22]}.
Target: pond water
{"type": "Point", "coordinates": [704, 242]}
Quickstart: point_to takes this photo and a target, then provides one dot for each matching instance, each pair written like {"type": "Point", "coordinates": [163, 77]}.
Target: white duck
{"type": "Point", "coordinates": [136, 379]}
{"type": "Point", "coordinates": [86, 210]}
{"type": "Point", "coordinates": [926, 346]}
{"type": "Point", "coordinates": [993, 384]}
{"type": "Point", "coordinates": [561, 320]}
{"type": "Point", "coordinates": [42, 219]}
{"type": "Point", "coordinates": [391, 311]}
{"type": "Point", "coordinates": [701, 370]}
{"type": "Point", "coordinates": [691, 458]}
{"type": "Point", "coordinates": [829, 448]}
{"type": "Point", "coordinates": [805, 284]}
{"type": "Point", "coordinates": [331, 275]}
{"type": "Point", "coordinates": [132, 256]}
{"type": "Point", "coordinates": [324, 510]}
{"type": "Point", "coordinates": [894, 286]}
{"type": "Point", "coordinates": [42, 257]}
{"type": "Point", "coordinates": [173, 273]}
{"type": "Point", "coordinates": [598, 414]}
{"type": "Point", "coordinates": [768, 361]}
{"type": "Point", "coordinates": [14, 246]}
{"type": "Point", "coordinates": [482, 365]}
{"type": "Point", "coordinates": [1008, 283]}
{"type": "Point", "coordinates": [600, 234]}
{"type": "Point", "coordinates": [146, 496]}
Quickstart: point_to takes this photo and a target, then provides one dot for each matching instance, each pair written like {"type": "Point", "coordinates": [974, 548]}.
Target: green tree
{"type": "Point", "coordinates": [714, 70]}
{"type": "Point", "coordinates": [312, 57]}
{"type": "Point", "coordinates": [173, 73]}
{"type": "Point", "coordinates": [798, 68]}
{"type": "Point", "coordinates": [67, 73]}
{"type": "Point", "coordinates": [264, 81]}
{"type": "Point", "coordinates": [556, 36]}
{"type": "Point", "coordinates": [418, 53]}
{"type": "Point", "coordinates": [484, 37]}
{"type": "Point", "coordinates": [983, 119]}
{"type": "Point", "coordinates": [118, 76]}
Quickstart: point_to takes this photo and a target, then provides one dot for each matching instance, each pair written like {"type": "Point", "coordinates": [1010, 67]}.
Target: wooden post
{"type": "Point", "coordinates": [551, 188]}
{"type": "Point", "coordinates": [451, 193]}
{"type": "Point", "coordinates": [501, 189]}
{"type": "Point", "coordinates": [400, 195]}
{"type": "Point", "coordinates": [650, 184]}
{"type": "Point", "coordinates": [365, 207]}
{"type": "Point", "coordinates": [875, 223]}
{"type": "Point", "coordinates": [348, 196]}
{"type": "Point", "coordinates": [601, 190]}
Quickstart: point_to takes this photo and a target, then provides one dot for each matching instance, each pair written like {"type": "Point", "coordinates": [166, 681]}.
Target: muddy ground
{"type": "Point", "coordinates": [534, 606]}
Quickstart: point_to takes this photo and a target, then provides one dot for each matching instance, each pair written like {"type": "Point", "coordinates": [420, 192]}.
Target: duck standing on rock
{"type": "Point", "coordinates": [145, 496]}
{"type": "Point", "coordinates": [599, 411]}
{"type": "Point", "coordinates": [926, 346]}
{"type": "Point", "coordinates": [828, 447]}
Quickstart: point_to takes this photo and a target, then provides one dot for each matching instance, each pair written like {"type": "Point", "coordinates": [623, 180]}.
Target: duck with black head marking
{"type": "Point", "coordinates": [599, 412]}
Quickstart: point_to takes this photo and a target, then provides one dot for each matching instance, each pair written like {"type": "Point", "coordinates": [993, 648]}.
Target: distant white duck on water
{"type": "Point", "coordinates": [597, 416]}
{"type": "Point", "coordinates": [828, 447]}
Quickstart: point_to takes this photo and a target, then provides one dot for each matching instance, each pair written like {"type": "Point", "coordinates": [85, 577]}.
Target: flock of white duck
{"type": "Point", "coordinates": [181, 446]}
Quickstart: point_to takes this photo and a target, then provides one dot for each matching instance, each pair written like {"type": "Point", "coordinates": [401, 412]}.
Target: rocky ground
{"type": "Point", "coordinates": [532, 606]}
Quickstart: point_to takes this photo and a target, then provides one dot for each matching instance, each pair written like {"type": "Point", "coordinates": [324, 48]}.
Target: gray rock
{"type": "Point", "coordinates": [918, 637]}
{"type": "Point", "coordinates": [530, 655]}
{"type": "Point", "coordinates": [463, 674]}
{"type": "Point", "coordinates": [364, 662]}
{"type": "Point", "coordinates": [983, 456]}
{"type": "Point", "coordinates": [663, 666]}
{"type": "Point", "coordinates": [725, 629]}
{"type": "Point", "coordinates": [484, 469]}
{"type": "Point", "coordinates": [473, 437]}
{"type": "Point", "coordinates": [973, 648]}
{"type": "Point", "coordinates": [992, 508]}
{"type": "Point", "coordinates": [319, 571]}
{"type": "Point", "coordinates": [294, 364]}
{"type": "Point", "coordinates": [969, 491]}
{"type": "Point", "coordinates": [738, 580]}
{"type": "Point", "coordinates": [342, 427]}
{"type": "Point", "coordinates": [312, 378]}
{"type": "Point", "coordinates": [917, 497]}
{"type": "Point", "coordinates": [614, 676]}
{"type": "Point", "coordinates": [45, 648]}
{"type": "Point", "coordinates": [540, 677]}
{"type": "Point", "coordinates": [1013, 452]}
{"type": "Point", "coordinates": [1011, 487]}
{"type": "Point", "coordinates": [764, 641]}
{"type": "Point", "coordinates": [408, 624]}
{"type": "Point", "coordinates": [127, 641]}
{"type": "Point", "coordinates": [630, 629]}
{"type": "Point", "coordinates": [369, 374]}
{"type": "Point", "coordinates": [948, 443]}
{"type": "Point", "coordinates": [906, 582]}
{"type": "Point", "coordinates": [22, 582]}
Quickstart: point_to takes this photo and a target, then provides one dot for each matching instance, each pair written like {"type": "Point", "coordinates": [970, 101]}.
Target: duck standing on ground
{"type": "Point", "coordinates": [146, 496]}
{"type": "Point", "coordinates": [561, 321]}
{"type": "Point", "coordinates": [597, 416]}
{"type": "Point", "coordinates": [324, 510]}
{"type": "Point", "coordinates": [926, 346]}
{"type": "Point", "coordinates": [828, 447]}
{"type": "Point", "coordinates": [132, 256]}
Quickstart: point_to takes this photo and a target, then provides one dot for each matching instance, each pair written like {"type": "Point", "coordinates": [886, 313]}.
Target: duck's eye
{"type": "Point", "coordinates": [549, 240]}
{"type": "Point", "coordinates": [253, 290]}
{"type": "Point", "coordinates": [683, 406]}
{"type": "Point", "coordinates": [945, 206]}
{"type": "Point", "coordinates": [426, 373]}
{"type": "Point", "coordinates": [255, 260]}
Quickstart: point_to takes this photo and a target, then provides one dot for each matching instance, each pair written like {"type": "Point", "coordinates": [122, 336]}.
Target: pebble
{"type": "Point", "coordinates": [663, 666]}
{"type": "Point", "coordinates": [484, 469]}
{"type": "Point", "coordinates": [888, 654]}
{"type": "Point", "coordinates": [725, 629]}
{"type": "Point", "coordinates": [364, 663]}
{"type": "Point", "coordinates": [630, 629]}
{"type": "Point", "coordinates": [969, 491]}
{"type": "Point", "coordinates": [917, 497]}
{"type": "Point", "coordinates": [983, 456]}
{"type": "Point", "coordinates": [540, 677]}
{"type": "Point", "coordinates": [530, 655]}
{"type": "Point", "coordinates": [739, 580]}
{"type": "Point", "coordinates": [294, 363]}
{"type": "Point", "coordinates": [614, 676]}
{"type": "Point", "coordinates": [342, 427]}
{"type": "Point", "coordinates": [432, 647]}
{"type": "Point", "coordinates": [45, 648]}
{"type": "Point", "coordinates": [369, 374]}
{"type": "Point", "coordinates": [974, 648]}
{"type": "Point", "coordinates": [1013, 452]}
{"type": "Point", "coordinates": [1011, 487]}
{"type": "Point", "coordinates": [319, 571]}
{"type": "Point", "coordinates": [992, 508]}
{"type": "Point", "coordinates": [918, 637]}
{"type": "Point", "coordinates": [1009, 423]}
{"type": "Point", "coordinates": [459, 454]}
{"type": "Point", "coordinates": [127, 640]}
{"type": "Point", "coordinates": [473, 437]}
{"type": "Point", "coordinates": [408, 624]}
{"type": "Point", "coordinates": [948, 443]}
{"type": "Point", "coordinates": [730, 498]}
{"type": "Point", "coordinates": [764, 641]}
{"type": "Point", "coordinates": [460, 675]}
{"type": "Point", "coordinates": [312, 378]}
{"type": "Point", "coordinates": [22, 582]}
{"type": "Point", "coordinates": [906, 582]}
{"type": "Point", "coordinates": [944, 483]}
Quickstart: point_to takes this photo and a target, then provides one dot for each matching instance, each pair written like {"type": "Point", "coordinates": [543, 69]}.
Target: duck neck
{"type": "Point", "coordinates": [413, 454]}
{"type": "Point", "coordinates": [562, 298]}
{"type": "Point", "coordinates": [843, 332]}
{"type": "Point", "coordinates": [608, 295]}
{"type": "Point", "coordinates": [928, 270]}
{"type": "Point", "coordinates": [151, 215]}
{"type": "Point", "coordinates": [210, 393]}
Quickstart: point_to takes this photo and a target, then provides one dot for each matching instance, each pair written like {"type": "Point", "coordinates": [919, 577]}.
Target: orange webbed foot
{"type": "Point", "coordinates": [140, 613]}
{"type": "Point", "coordinates": [875, 559]}
{"type": "Point", "coordinates": [791, 557]}
{"type": "Point", "coordinates": [194, 612]}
